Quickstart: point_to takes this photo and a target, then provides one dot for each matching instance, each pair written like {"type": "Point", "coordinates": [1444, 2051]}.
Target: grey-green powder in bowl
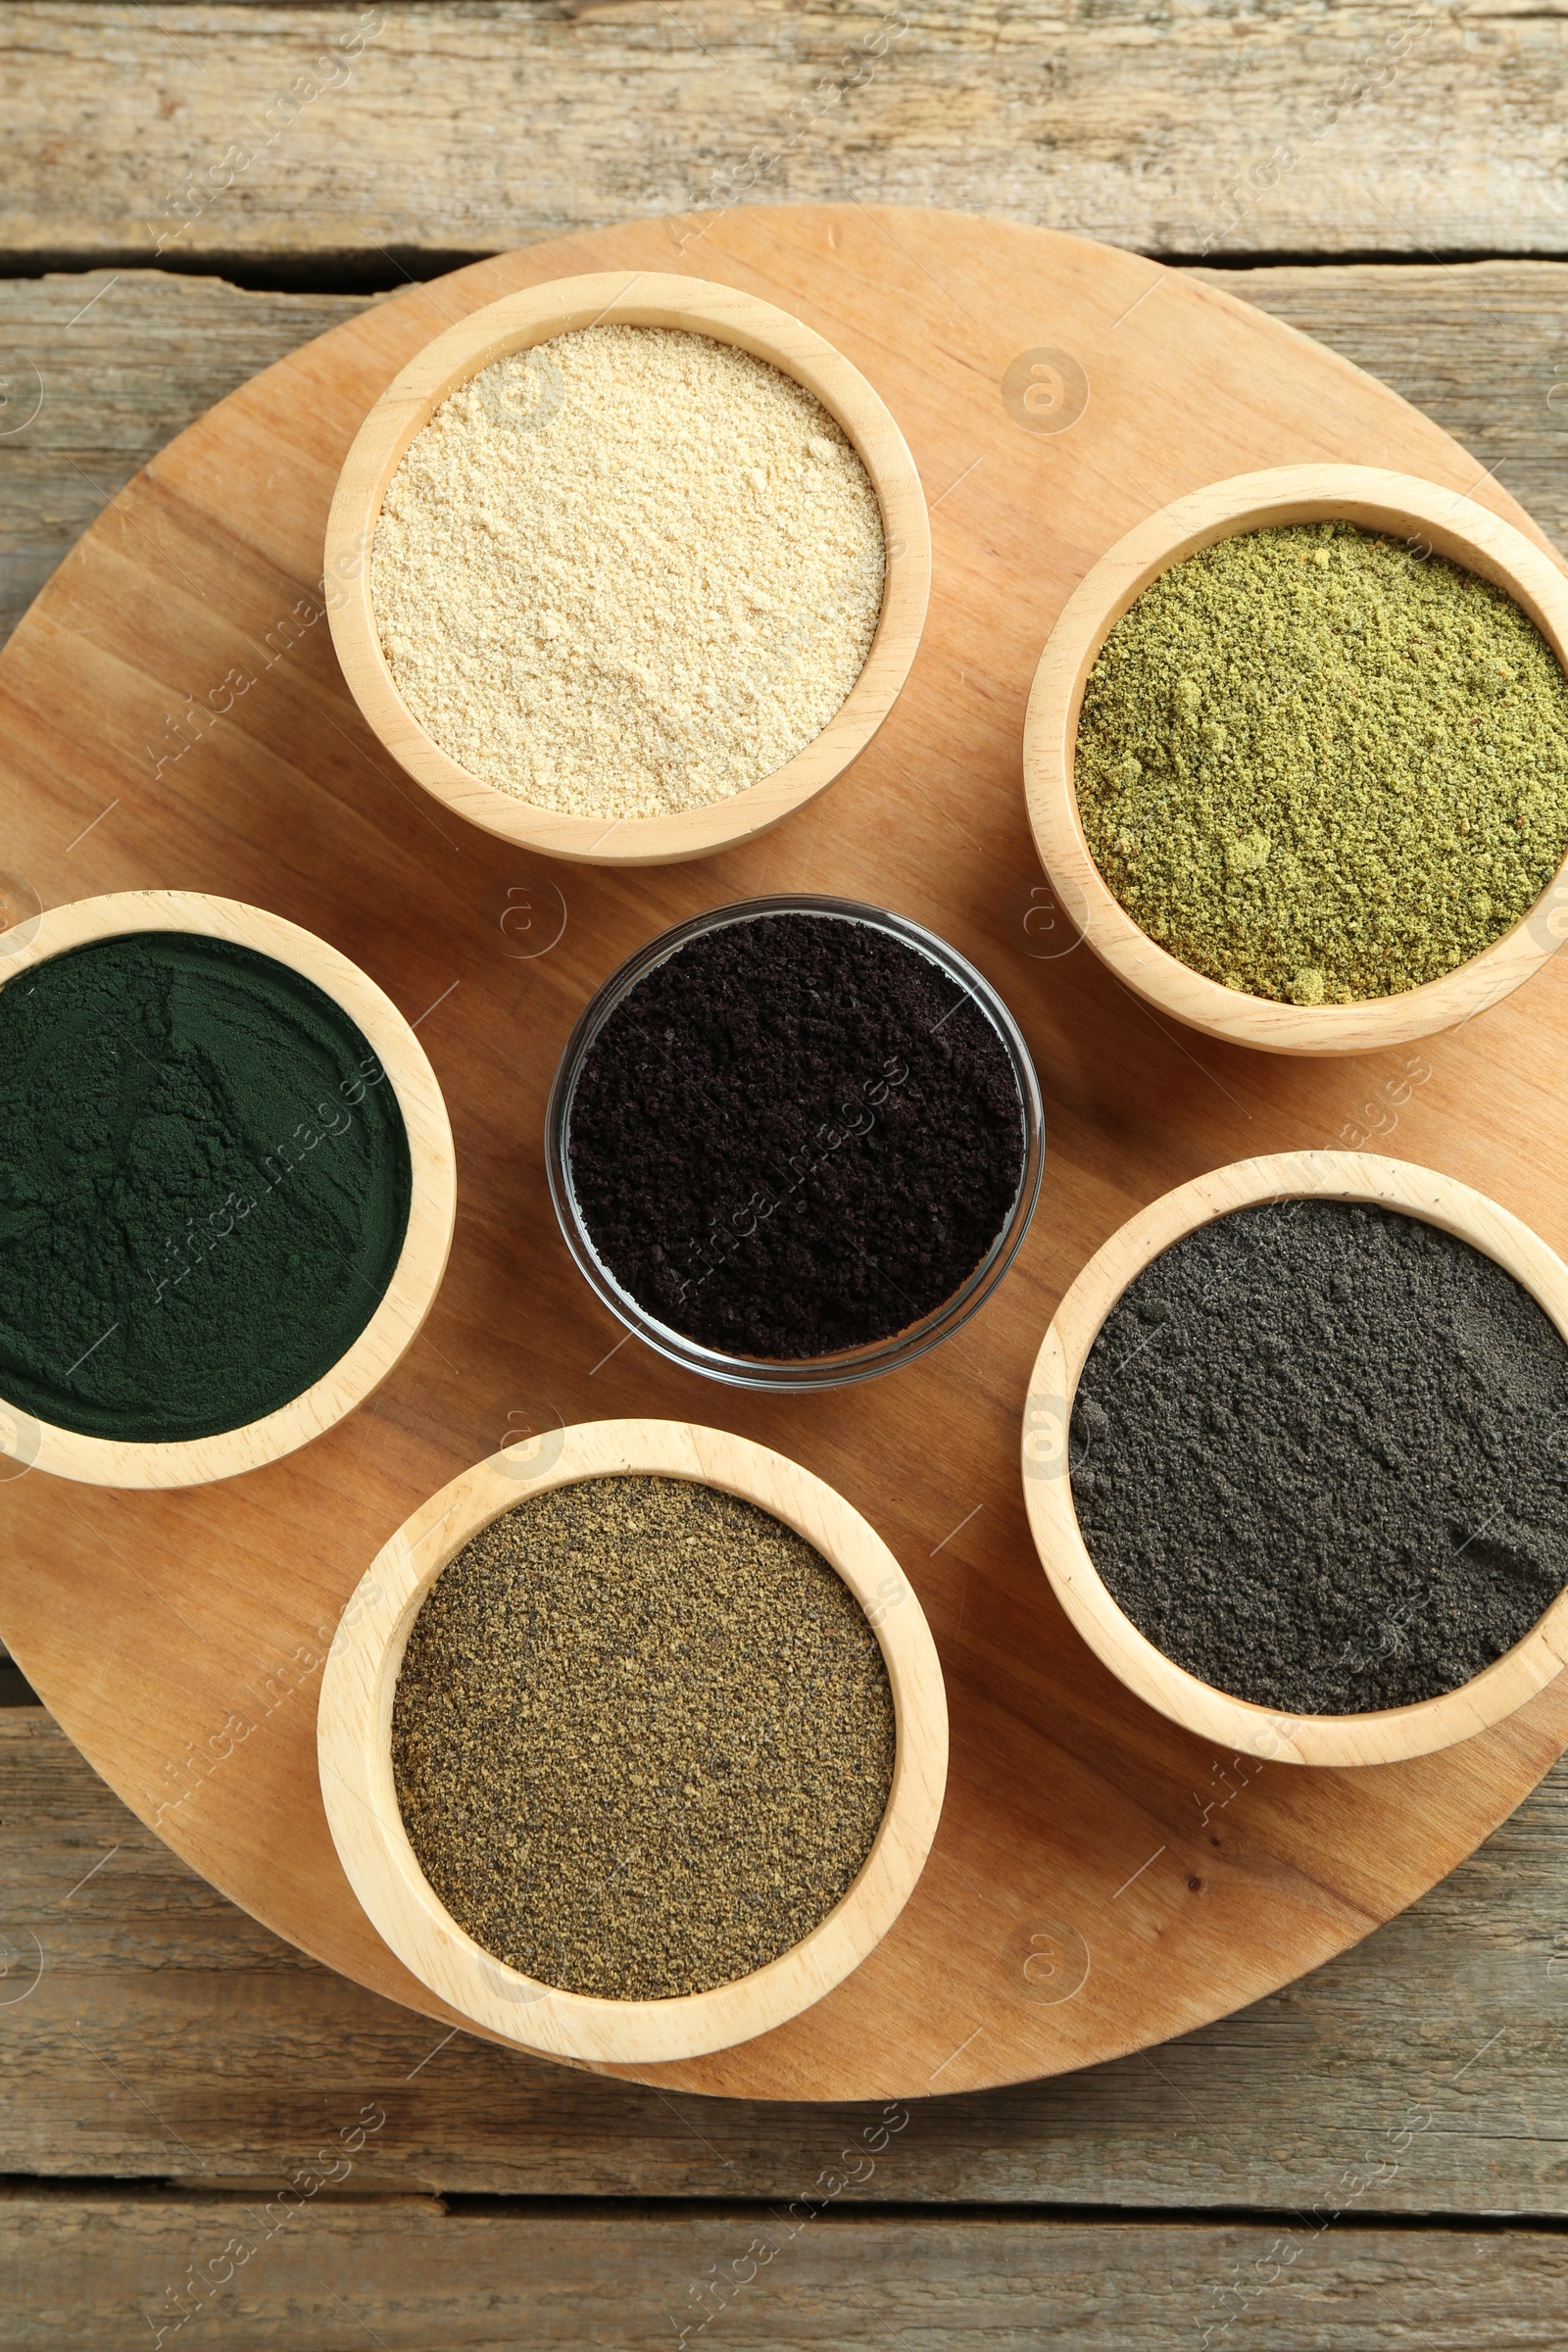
{"type": "Point", "coordinates": [642, 1738]}
{"type": "Point", "coordinates": [1318, 765]}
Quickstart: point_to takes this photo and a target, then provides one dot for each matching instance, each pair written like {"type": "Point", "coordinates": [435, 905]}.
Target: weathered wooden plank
{"type": "Point", "coordinates": [1483, 347]}
{"type": "Point", "coordinates": [96, 373]}
{"type": "Point", "coordinates": [84, 2271]}
{"type": "Point", "coordinates": [369, 138]}
{"type": "Point", "coordinates": [147, 2027]}
{"type": "Point", "coordinates": [117, 362]}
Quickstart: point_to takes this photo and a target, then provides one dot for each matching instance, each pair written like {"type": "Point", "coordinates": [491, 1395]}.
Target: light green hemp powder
{"type": "Point", "coordinates": [1317, 766]}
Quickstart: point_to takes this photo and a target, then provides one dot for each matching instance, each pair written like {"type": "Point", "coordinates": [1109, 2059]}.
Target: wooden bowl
{"type": "Point", "coordinates": [432, 1206]}
{"type": "Point", "coordinates": [354, 1734]}
{"type": "Point", "coordinates": [1235, 1725]}
{"type": "Point", "coordinates": [643, 299]}
{"type": "Point", "coordinates": [1403, 507]}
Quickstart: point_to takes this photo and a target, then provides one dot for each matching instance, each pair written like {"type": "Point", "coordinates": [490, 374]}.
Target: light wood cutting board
{"type": "Point", "coordinates": [1100, 1880]}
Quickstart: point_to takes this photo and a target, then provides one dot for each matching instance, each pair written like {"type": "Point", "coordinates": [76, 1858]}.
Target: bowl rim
{"type": "Point", "coordinates": [535, 315]}
{"type": "Point", "coordinates": [1390, 1734]}
{"type": "Point", "coordinates": [353, 1749]}
{"type": "Point", "coordinates": [1447, 522]}
{"type": "Point", "coordinates": [787, 1376]}
{"type": "Point", "coordinates": [427, 1237]}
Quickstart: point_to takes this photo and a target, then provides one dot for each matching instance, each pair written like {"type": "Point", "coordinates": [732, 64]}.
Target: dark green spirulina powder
{"type": "Point", "coordinates": [1320, 1458]}
{"type": "Point", "coordinates": [1317, 767]}
{"type": "Point", "coordinates": [204, 1187]}
{"type": "Point", "coordinates": [642, 1739]}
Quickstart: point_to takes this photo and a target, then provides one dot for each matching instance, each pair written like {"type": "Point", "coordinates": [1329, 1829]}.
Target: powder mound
{"type": "Point", "coordinates": [204, 1187]}
{"type": "Point", "coordinates": [793, 1136]}
{"type": "Point", "coordinates": [1319, 767]}
{"type": "Point", "coordinates": [631, 571]}
{"type": "Point", "coordinates": [642, 1739]}
{"type": "Point", "coordinates": [1320, 1458]}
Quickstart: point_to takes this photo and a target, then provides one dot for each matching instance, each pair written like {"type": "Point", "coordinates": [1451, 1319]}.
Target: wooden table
{"type": "Point", "coordinates": [1370, 2159]}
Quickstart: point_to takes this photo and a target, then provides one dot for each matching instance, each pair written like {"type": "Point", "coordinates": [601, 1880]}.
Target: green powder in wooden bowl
{"type": "Point", "coordinates": [1319, 767]}
{"type": "Point", "coordinates": [642, 1738]}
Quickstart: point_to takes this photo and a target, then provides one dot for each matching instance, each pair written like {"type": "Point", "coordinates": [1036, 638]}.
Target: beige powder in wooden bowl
{"type": "Point", "coordinates": [628, 571]}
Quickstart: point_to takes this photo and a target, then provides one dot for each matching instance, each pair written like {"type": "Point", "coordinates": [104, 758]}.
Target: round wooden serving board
{"type": "Point", "coordinates": [1101, 1878]}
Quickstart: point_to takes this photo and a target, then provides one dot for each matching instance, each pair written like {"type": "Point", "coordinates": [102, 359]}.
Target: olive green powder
{"type": "Point", "coordinates": [1319, 767]}
{"type": "Point", "coordinates": [642, 1738]}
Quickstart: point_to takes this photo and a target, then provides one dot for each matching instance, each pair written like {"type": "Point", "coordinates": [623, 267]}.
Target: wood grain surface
{"type": "Point", "coordinates": [125, 358]}
{"type": "Point", "coordinates": [1071, 1814]}
{"type": "Point", "coordinates": [167, 2036]}
{"type": "Point", "coordinates": [270, 138]}
{"type": "Point", "coordinates": [403, 2274]}
{"type": "Point", "coordinates": [206, 2029]}
{"type": "Point", "coordinates": [99, 374]}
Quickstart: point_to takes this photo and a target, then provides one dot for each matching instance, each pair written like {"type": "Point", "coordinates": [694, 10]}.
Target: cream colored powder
{"type": "Point", "coordinates": [628, 571]}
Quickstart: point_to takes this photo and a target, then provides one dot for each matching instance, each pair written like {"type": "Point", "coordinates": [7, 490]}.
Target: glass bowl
{"type": "Point", "coordinates": [849, 1364]}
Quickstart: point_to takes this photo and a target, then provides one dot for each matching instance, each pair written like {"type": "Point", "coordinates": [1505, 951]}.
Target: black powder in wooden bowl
{"type": "Point", "coordinates": [793, 1136]}
{"type": "Point", "coordinates": [1320, 1458]}
{"type": "Point", "coordinates": [642, 1739]}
